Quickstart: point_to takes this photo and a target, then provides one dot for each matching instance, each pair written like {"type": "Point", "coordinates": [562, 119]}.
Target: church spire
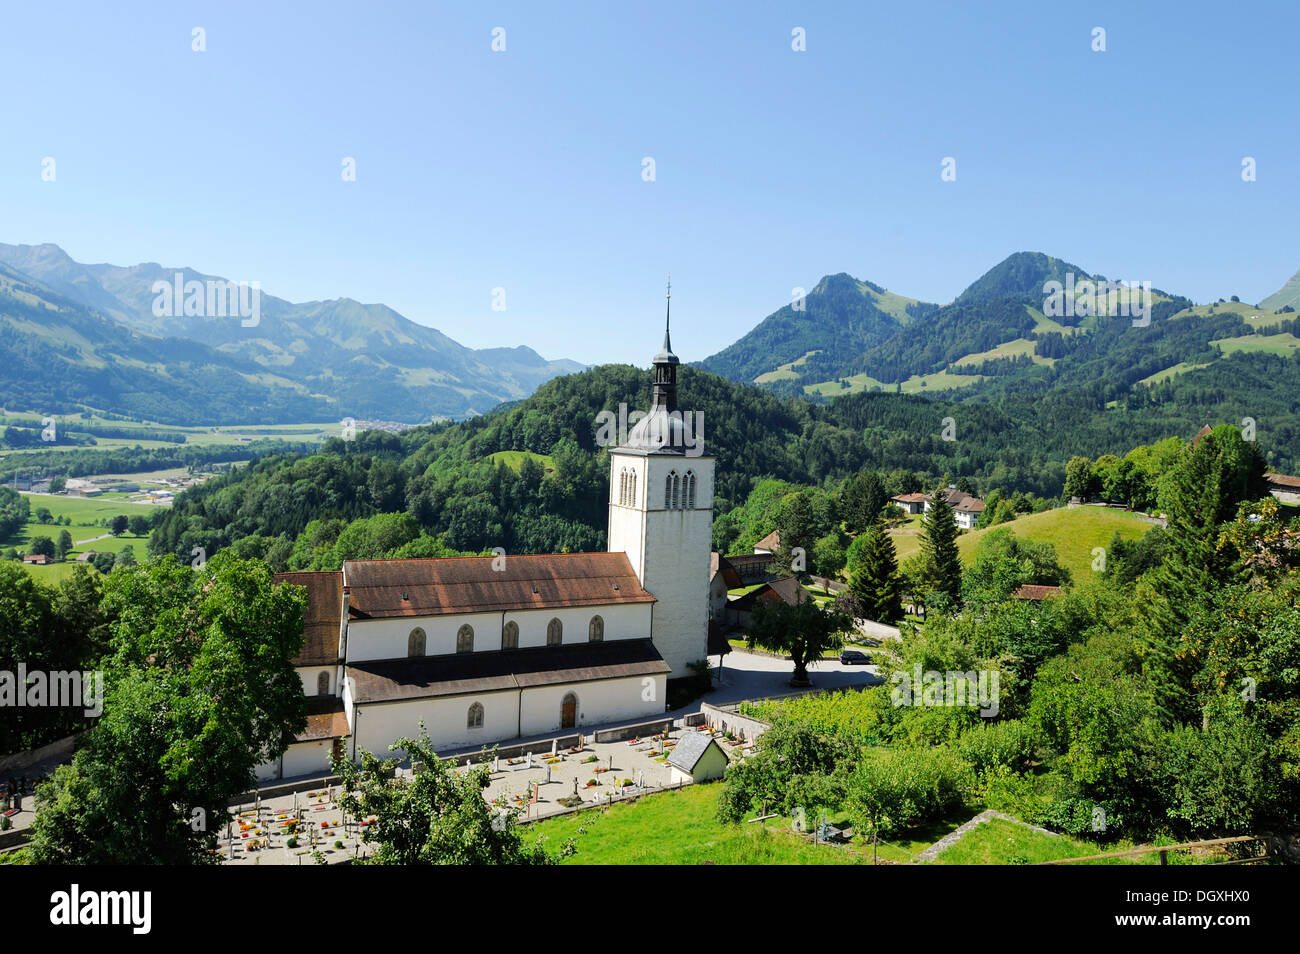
{"type": "Point", "coordinates": [668, 314]}
{"type": "Point", "coordinates": [664, 393]}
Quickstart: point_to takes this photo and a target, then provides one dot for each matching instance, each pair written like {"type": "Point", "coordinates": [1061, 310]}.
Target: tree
{"type": "Point", "coordinates": [42, 545]}
{"type": "Point", "coordinates": [874, 578]}
{"type": "Point", "coordinates": [200, 691]}
{"type": "Point", "coordinates": [892, 790]}
{"type": "Point", "coordinates": [125, 557]}
{"type": "Point", "coordinates": [437, 816]}
{"type": "Point", "coordinates": [1079, 481]}
{"type": "Point", "coordinates": [138, 525]}
{"type": "Point", "coordinates": [862, 499]}
{"type": "Point", "coordinates": [43, 515]}
{"type": "Point", "coordinates": [939, 548]}
{"type": "Point", "coordinates": [63, 545]}
{"type": "Point", "coordinates": [104, 562]}
{"type": "Point", "coordinates": [1200, 494]}
{"type": "Point", "coordinates": [803, 630]}
{"type": "Point", "coordinates": [58, 485]}
{"type": "Point", "coordinates": [117, 526]}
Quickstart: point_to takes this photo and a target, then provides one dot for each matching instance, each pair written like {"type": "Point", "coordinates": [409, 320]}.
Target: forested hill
{"type": "Point", "coordinates": [444, 477]}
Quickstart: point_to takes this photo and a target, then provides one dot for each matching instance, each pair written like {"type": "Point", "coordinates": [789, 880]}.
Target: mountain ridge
{"type": "Point", "coordinates": [325, 346]}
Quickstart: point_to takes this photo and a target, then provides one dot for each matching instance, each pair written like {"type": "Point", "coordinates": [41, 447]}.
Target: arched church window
{"type": "Point", "coordinates": [622, 487]}
{"type": "Point", "coordinates": [475, 718]}
{"type": "Point", "coordinates": [631, 489]}
{"type": "Point", "coordinates": [595, 630]}
{"type": "Point", "coordinates": [689, 501]}
{"type": "Point", "coordinates": [415, 642]}
{"type": "Point", "coordinates": [323, 684]}
{"type": "Point", "coordinates": [465, 639]}
{"type": "Point", "coordinates": [510, 635]}
{"type": "Point", "coordinates": [668, 492]}
{"type": "Point", "coordinates": [554, 633]}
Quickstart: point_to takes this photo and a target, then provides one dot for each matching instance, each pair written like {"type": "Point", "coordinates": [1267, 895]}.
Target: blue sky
{"type": "Point", "coordinates": [523, 169]}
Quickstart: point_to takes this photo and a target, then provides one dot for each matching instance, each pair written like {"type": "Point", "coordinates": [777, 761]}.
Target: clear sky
{"type": "Point", "coordinates": [523, 169]}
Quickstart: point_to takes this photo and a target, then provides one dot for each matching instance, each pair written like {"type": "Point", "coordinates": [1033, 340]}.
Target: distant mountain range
{"type": "Point", "coordinates": [75, 335]}
{"type": "Point", "coordinates": [1002, 335]}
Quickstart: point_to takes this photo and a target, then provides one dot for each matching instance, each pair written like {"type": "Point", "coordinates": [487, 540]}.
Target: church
{"type": "Point", "coordinates": [489, 649]}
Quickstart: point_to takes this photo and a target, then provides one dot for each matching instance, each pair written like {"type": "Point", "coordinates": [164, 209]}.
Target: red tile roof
{"type": "Point", "coordinates": [771, 542]}
{"type": "Point", "coordinates": [322, 618]}
{"type": "Point", "coordinates": [457, 674]}
{"type": "Point", "coordinates": [1282, 480]}
{"type": "Point", "coordinates": [435, 587]}
{"type": "Point", "coordinates": [325, 720]}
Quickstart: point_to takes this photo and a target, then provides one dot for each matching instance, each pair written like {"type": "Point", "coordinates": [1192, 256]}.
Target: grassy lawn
{"type": "Point", "coordinates": [85, 516]}
{"type": "Point", "coordinates": [515, 459]}
{"type": "Point", "coordinates": [1168, 373]}
{"type": "Point", "coordinates": [916, 384]}
{"type": "Point", "coordinates": [679, 828]}
{"type": "Point", "coordinates": [1268, 344]}
{"type": "Point", "coordinates": [998, 842]}
{"type": "Point", "coordinates": [1074, 533]}
{"type": "Point", "coordinates": [1008, 349]}
{"type": "Point", "coordinates": [785, 372]}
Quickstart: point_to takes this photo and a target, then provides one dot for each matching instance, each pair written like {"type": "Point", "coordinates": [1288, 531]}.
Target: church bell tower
{"type": "Point", "coordinates": [661, 514]}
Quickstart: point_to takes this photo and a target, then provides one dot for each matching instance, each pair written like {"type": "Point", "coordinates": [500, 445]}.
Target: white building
{"type": "Point", "coordinates": [487, 649]}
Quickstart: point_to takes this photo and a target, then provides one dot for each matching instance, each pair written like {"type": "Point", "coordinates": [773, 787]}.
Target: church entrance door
{"type": "Point", "coordinates": [569, 712]}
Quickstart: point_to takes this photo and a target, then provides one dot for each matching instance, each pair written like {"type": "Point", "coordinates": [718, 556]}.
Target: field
{"type": "Point", "coordinates": [1167, 373]}
{"type": "Point", "coordinates": [1009, 349]}
{"type": "Point", "coordinates": [999, 842]}
{"type": "Point", "coordinates": [1074, 532]}
{"type": "Point", "coordinates": [784, 372]}
{"type": "Point", "coordinates": [85, 528]}
{"type": "Point", "coordinates": [515, 459]}
{"type": "Point", "coordinates": [678, 828]}
{"type": "Point", "coordinates": [916, 384]}
{"type": "Point", "coordinates": [1257, 344]}
{"type": "Point", "coordinates": [224, 435]}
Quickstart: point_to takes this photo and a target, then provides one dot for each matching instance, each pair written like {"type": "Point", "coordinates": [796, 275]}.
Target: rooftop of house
{"type": "Point", "coordinates": [456, 674]}
{"type": "Point", "coordinates": [380, 589]}
{"type": "Point", "coordinates": [688, 751]}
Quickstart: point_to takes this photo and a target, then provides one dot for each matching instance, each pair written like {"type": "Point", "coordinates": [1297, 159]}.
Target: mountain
{"type": "Point", "coordinates": [366, 359]}
{"type": "Point", "coordinates": [1019, 275]}
{"type": "Point", "coordinates": [1288, 294]}
{"type": "Point", "coordinates": [840, 315]}
{"type": "Point", "coordinates": [59, 357]}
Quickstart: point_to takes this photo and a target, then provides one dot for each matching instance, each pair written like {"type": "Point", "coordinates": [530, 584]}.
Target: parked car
{"type": "Point", "coordinates": [851, 657]}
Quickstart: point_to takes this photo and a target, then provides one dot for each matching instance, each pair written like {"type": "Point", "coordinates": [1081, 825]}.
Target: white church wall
{"type": "Point", "coordinates": [308, 758]}
{"type": "Point", "coordinates": [601, 701]}
{"type": "Point", "coordinates": [627, 523]}
{"type": "Point", "coordinates": [310, 676]}
{"type": "Point", "coordinates": [389, 638]}
{"type": "Point", "coordinates": [445, 719]}
{"type": "Point", "coordinates": [678, 544]}
{"type": "Point", "coordinates": [622, 621]}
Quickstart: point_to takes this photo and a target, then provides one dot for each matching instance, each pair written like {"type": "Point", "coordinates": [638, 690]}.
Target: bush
{"type": "Point", "coordinates": [292, 842]}
{"type": "Point", "coordinates": [1009, 744]}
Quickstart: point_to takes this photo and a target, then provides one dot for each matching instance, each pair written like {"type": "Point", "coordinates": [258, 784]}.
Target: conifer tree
{"type": "Point", "coordinates": [873, 577]}
{"type": "Point", "coordinates": [939, 548]}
